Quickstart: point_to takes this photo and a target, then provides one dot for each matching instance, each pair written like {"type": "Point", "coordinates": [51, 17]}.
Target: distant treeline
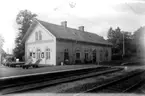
{"type": "Point", "coordinates": [134, 42]}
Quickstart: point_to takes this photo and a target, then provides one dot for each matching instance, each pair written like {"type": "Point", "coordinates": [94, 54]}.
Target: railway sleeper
{"type": "Point", "coordinates": [107, 84]}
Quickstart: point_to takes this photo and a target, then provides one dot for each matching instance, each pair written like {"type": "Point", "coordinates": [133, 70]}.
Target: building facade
{"type": "Point", "coordinates": [58, 43]}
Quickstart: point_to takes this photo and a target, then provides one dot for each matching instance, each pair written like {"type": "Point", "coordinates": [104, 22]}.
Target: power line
{"type": "Point", "coordinates": [131, 8]}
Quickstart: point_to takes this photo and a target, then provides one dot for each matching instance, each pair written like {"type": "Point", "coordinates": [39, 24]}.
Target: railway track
{"type": "Point", "coordinates": [33, 82]}
{"type": "Point", "coordinates": [121, 84]}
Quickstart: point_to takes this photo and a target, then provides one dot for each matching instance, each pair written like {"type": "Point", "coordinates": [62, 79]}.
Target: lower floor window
{"type": "Point", "coordinates": [42, 55]}
{"type": "Point", "coordinates": [106, 55]}
{"type": "Point", "coordinates": [66, 56]}
{"type": "Point", "coordinates": [77, 55]}
{"type": "Point", "coordinates": [30, 53]}
{"type": "Point", "coordinates": [38, 54]}
{"type": "Point", "coordinates": [34, 55]}
{"type": "Point", "coordinates": [47, 53]}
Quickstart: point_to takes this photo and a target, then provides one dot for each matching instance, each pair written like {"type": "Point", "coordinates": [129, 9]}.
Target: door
{"type": "Point", "coordinates": [101, 56]}
{"type": "Point", "coordinates": [86, 57]}
{"type": "Point", "coordinates": [78, 55]}
{"type": "Point", "coordinates": [66, 56]}
{"type": "Point", "coordinates": [38, 54]}
{"type": "Point", "coordinates": [94, 56]}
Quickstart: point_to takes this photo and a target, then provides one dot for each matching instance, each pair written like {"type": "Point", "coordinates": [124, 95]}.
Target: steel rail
{"type": "Point", "coordinates": [131, 87]}
{"type": "Point", "coordinates": [28, 79]}
{"type": "Point", "coordinates": [102, 86]}
{"type": "Point", "coordinates": [34, 84]}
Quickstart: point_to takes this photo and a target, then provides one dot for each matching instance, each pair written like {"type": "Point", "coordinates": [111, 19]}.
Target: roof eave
{"type": "Point", "coordinates": [85, 42]}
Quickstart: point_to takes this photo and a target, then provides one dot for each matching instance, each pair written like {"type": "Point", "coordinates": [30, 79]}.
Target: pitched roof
{"type": "Point", "coordinates": [62, 32]}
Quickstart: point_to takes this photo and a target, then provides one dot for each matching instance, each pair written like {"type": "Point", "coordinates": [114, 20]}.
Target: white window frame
{"type": "Point", "coordinates": [36, 36]}
{"type": "Point", "coordinates": [38, 54]}
{"type": "Point", "coordinates": [40, 35]}
{"type": "Point", "coordinates": [48, 54]}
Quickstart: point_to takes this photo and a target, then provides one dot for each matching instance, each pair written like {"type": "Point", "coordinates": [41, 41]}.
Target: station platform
{"type": "Point", "coordinates": [8, 72]}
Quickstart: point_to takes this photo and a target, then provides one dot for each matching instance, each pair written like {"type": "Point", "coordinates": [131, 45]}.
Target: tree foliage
{"type": "Point", "coordinates": [24, 20]}
{"type": "Point", "coordinates": [116, 38]}
{"type": "Point", "coordinates": [139, 39]}
{"type": "Point", "coordinates": [1, 41]}
{"type": "Point", "coordinates": [134, 43]}
{"type": "Point", "coordinates": [139, 35]}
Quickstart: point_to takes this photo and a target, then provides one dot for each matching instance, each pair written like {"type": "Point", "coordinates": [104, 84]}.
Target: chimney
{"type": "Point", "coordinates": [64, 23]}
{"type": "Point", "coordinates": [81, 28]}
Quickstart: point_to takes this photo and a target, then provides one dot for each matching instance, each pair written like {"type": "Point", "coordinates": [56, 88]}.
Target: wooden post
{"type": "Point", "coordinates": [123, 47]}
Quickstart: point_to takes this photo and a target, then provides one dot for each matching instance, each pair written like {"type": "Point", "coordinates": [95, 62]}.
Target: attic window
{"type": "Point", "coordinates": [40, 35]}
{"type": "Point", "coordinates": [36, 35]}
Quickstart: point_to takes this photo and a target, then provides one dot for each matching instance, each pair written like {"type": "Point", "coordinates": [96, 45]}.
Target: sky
{"type": "Point", "coordinates": [97, 16]}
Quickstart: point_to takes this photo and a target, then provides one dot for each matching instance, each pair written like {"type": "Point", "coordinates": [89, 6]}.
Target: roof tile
{"type": "Point", "coordinates": [62, 32]}
{"type": "Point", "coordinates": [73, 34]}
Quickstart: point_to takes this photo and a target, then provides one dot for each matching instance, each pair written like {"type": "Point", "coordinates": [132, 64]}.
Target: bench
{"type": "Point", "coordinates": [30, 64]}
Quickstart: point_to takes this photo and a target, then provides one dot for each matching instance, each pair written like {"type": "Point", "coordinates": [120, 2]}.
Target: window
{"type": "Point", "coordinates": [42, 55]}
{"type": "Point", "coordinates": [38, 54]}
{"type": "Point", "coordinates": [47, 53]}
{"type": "Point", "coordinates": [40, 35]}
{"type": "Point", "coordinates": [106, 54]}
{"type": "Point", "coordinates": [77, 55]}
{"type": "Point", "coordinates": [36, 35]}
{"type": "Point", "coordinates": [86, 53]}
{"type": "Point", "coordinates": [66, 54]}
{"type": "Point", "coordinates": [30, 53]}
{"type": "Point", "coordinates": [101, 55]}
{"type": "Point", "coordinates": [33, 54]}
{"type": "Point", "coordinates": [94, 55]}
{"type": "Point", "coordinates": [86, 56]}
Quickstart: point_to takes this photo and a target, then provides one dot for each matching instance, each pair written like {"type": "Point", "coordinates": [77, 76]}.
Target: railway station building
{"type": "Point", "coordinates": [59, 43]}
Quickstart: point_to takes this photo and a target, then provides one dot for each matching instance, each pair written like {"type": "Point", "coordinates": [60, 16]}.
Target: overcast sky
{"type": "Point", "coordinates": [96, 15]}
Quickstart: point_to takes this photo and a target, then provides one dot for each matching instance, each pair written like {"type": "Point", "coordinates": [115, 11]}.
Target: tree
{"type": "Point", "coordinates": [1, 41]}
{"type": "Point", "coordinates": [24, 20]}
{"type": "Point", "coordinates": [2, 53]}
{"type": "Point", "coordinates": [116, 38]}
{"type": "Point", "coordinates": [139, 40]}
{"type": "Point", "coordinates": [110, 33]}
{"type": "Point", "coordinates": [139, 35]}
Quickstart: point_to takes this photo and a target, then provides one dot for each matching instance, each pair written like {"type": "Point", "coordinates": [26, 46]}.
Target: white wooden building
{"type": "Point", "coordinates": [58, 43]}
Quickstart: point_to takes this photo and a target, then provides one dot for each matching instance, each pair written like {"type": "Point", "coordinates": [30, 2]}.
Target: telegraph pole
{"type": "Point", "coordinates": [123, 47]}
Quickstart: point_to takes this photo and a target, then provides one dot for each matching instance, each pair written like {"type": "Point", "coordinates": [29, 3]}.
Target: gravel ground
{"type": "Point", "coordinates": [75, 86]}
{"type": "Point", "coordinates": [141, 89]}
{"type": "Point", "coordinates": [69, 88]}
{"type": "Point", "coordinates": [57, 90]}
